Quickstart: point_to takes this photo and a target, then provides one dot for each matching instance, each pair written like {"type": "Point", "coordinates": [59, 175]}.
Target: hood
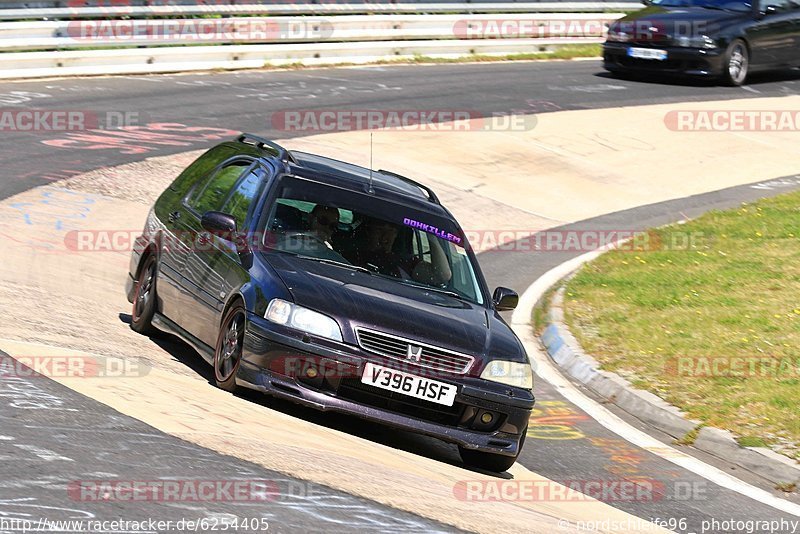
{"type": "Point", "coordinates": [356, 299]}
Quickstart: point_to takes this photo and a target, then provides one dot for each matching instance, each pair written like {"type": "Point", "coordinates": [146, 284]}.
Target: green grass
{"type": "Point", "coordinates": [655, 315]}
{"type": "Point", "coordinates": [541, 311]}
{"type": "Point", "coordinates": [751, 441]}
{"type": "Point", "coordinates": [690, 436]}
{"type": "Point", "coordinates": [562, 52]}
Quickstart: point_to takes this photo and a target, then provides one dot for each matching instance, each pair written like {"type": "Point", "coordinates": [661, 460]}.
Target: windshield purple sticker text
{"type": "Point", "coordinates": [432, 230]}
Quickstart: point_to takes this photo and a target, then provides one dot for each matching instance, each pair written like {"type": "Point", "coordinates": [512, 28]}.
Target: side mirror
{"type": "Point", "coordinates": [217, 222]}
{"type": "Point", "coordinates": [505, 299]}
{"type": "Point", "coordinates": [224, 226]}
{"type": "Point", "coordinates": [770, 10]}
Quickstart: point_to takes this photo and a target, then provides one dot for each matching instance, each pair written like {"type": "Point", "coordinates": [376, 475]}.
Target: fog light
{"type": "Point", "coordinates": [311, 372]}
{"type": "Point", "coordinates": [486, 418]}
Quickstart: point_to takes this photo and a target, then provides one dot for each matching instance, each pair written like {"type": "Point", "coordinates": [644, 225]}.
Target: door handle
{"type": "Point", "coordinates": [174, 216]}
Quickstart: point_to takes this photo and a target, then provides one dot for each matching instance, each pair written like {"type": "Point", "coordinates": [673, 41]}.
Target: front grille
{"type": "Point", "coordinates": [353, 389]}
{"type": "Point", "coordinates": [398, 348]}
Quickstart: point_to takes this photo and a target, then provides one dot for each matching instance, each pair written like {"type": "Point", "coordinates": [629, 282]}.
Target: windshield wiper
{"type": "Point", "coordinates": [327, 261]}
{"type": "Point", "coordinates": [447, 292]}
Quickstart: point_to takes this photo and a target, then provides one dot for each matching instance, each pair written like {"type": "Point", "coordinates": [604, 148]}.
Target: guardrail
{"type": "Point", "coordinates": [329, 32]}
{"type": "Point", "coordinates": [131, 32]}
{"type": "Point", "coordinates": [179, 59]}
{"type": "Point", "coordinates": [116, 8]}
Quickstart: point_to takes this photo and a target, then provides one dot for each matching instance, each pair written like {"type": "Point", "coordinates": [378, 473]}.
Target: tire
{"type": "Point", "coordinates": [487, 461]}
{"type": "Point", "coordinates": [228, 351]}
{"type": "Point", "coordinates": [737, 64]}
{"type": "Point", "coordinates": [144, 298]}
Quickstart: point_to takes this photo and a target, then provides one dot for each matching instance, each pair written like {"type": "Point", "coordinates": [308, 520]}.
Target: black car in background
{"type": "Point", "coordinates": [338, 288]}
{"type": "Point", "coordinates": [725, 39]}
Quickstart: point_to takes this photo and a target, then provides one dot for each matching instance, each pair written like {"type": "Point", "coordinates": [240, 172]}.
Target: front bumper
{"type": "Point", "coordinates": [275, 361]}
{"type": "Point", "coordinates": [680, 60]}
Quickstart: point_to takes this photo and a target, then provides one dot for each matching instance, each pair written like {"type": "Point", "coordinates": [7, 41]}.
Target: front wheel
{"type": "Point", "coordinates": [737, 63]}
{"type": "Point", "coordinates": [228, 353]}
{"type": "Point", "coordinates": [497, 463]}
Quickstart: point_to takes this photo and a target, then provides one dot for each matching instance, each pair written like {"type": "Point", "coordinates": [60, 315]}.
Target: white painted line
{"type": "Point", "coordinates": [45, 454]}
{"type": "Point", "coordinates": [546, 369]}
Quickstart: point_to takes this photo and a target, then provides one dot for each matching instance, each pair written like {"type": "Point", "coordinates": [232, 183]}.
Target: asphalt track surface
{"type": "Point", "coordinates": [568, 446]}
{"type": "Point", "coordinates": [52, 438]}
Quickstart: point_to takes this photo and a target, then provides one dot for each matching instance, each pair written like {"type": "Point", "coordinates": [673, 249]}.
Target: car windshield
{"type": "Point", "coordinates": [728, 5]}
{"type": "Point", "coordinates": [413, 247]}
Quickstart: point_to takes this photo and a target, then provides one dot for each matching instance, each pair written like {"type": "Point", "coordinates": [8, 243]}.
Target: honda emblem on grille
{"type": "Point", "coordinates": [414, 353]}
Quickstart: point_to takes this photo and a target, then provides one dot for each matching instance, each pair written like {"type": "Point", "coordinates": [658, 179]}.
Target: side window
{"type": "Point", "coordinates": [239, 201]}
{"type": "Point", "coordinates": [213, 193]}
{"type": "Point", "coordinates": [421, 246]}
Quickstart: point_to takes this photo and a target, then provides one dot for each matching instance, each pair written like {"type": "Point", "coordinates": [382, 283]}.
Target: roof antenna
{"type": "Point", "coordinates": [370, 190]}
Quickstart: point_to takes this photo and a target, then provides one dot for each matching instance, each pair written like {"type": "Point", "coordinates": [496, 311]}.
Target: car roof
{"type": "Point", "coordinates": [385, 184]}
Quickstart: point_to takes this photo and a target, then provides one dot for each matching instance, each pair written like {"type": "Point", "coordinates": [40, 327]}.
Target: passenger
{"type": "Point", "coordinates": [375, 250]}
{"type": "Point", "coordinates": [324, 222]}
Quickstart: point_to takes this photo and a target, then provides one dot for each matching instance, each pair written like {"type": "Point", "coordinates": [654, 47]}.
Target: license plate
{"type": "Point", "coordinates": [648, 53]}
{"type": "Point", "coordinates": [408, 384]}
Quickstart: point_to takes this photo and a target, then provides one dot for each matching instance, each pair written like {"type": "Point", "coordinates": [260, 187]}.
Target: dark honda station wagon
{"type": "Point", "coordinates": [336, 287]}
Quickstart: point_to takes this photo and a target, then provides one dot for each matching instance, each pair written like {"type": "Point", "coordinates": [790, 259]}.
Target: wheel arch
{"type": "Point", "coordinates": [241, 295]}
{"type": "Point", "coordinates": [151, 249]}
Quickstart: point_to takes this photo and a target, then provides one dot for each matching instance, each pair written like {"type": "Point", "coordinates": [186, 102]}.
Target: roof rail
{"type": "Point", "coordinates": [260, 142]}
{"type": "Point", "coordinates": [431, 195]}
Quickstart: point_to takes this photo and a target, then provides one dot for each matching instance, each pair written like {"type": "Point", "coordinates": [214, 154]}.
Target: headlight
{"type": "Point", "coordinates": [509, 373]}
{"type": "Point", "coordinates": [618, 37]}
{"type": "Point", "coordinates": [700, 41]}
{"type": "Point", "coordinates": [282, 312]}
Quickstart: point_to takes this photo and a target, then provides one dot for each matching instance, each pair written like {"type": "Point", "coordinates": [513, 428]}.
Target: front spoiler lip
{"type": "Point", "coordinates": [712, 57]}
{"type": "Point", "coordinates": [290, 389]}
{"type": "Point", "coordinates": [259, 377]}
